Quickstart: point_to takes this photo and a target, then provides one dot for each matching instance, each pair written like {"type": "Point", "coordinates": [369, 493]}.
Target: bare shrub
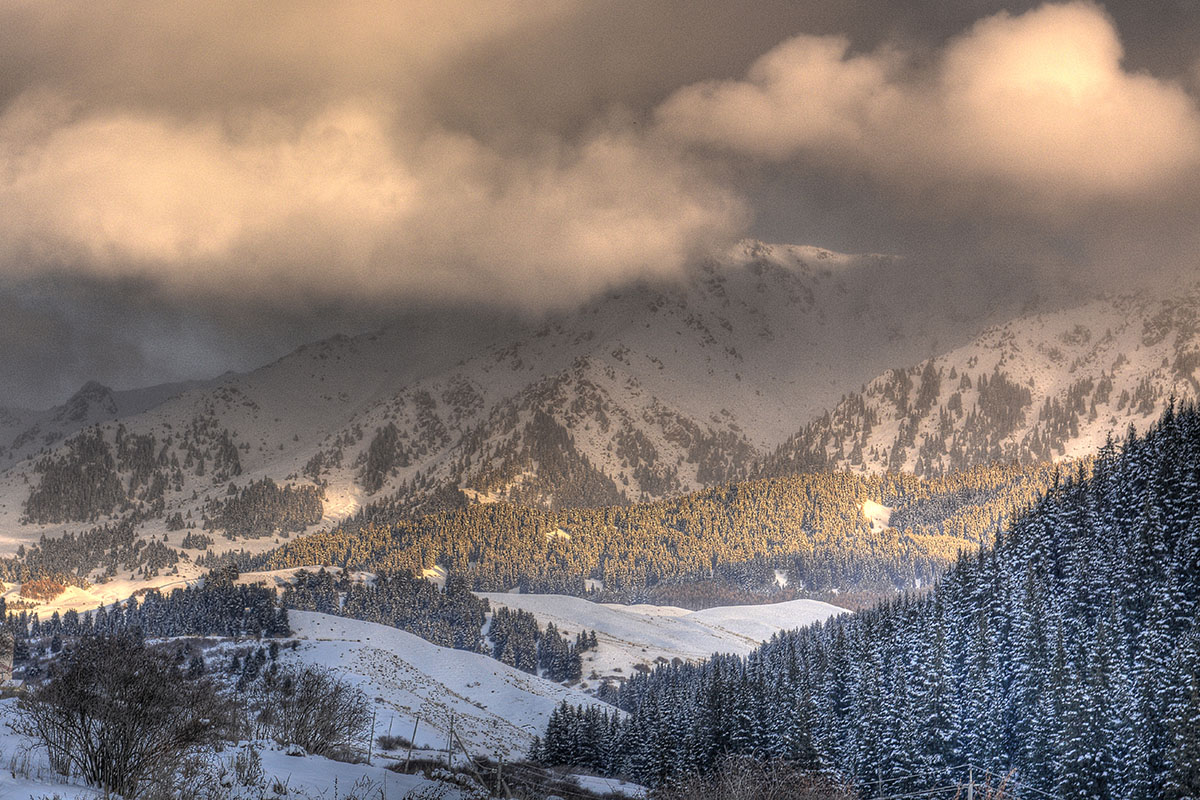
{"type": "Point", "coordinates": [745, 778]}
{"type": "Point", "coordinates": [313, 708]}
{"type": "Point", "coordinates": [388, 742]}
{"type": "Point", "coordinates": [122, 716]}
{"type": "Point", "coordinates": [247, 766]}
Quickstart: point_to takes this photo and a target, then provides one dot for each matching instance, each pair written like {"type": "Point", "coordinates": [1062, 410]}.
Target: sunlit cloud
{"type": "Point", "coordinates": [340, 205]}
{"type": "Point", "coordinates": [1038, 104]}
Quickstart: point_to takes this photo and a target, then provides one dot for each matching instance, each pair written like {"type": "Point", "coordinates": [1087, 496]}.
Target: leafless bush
{"type": "Point", "coordinates": [122, 716]}
{"type": "Point", "coordinates": [315, 709]}
{"type": "Point", "coordinates": [389, 742]}
{"type": "Point", "coordinates": [247, 766]}
{"type": "Point", "coordinates": [744, 778]}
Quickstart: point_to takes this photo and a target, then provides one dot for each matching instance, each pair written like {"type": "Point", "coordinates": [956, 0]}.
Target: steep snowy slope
{"type": "Point", "coordinates": [1041, 387]}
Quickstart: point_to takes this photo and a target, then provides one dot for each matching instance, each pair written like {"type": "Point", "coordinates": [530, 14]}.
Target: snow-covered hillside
{"type": "Point", "coordinates": [644, 392]}
{"type": "Point", "coordinates": [497, 709]}
{"type": "Point", "coordinates": [1040, 387]}
{"type": "Point", "coordinates": [641, 636]}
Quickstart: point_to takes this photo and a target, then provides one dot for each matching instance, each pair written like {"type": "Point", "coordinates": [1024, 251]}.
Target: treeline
{"type": "Point", "coordinates": [810, 526]}
{"type": "Point", "coordinates": [215, 607]}
{"type": "Point", "coordinates": [514, 634]}
{"type": "Point", "coordinates": [1066, 656]}
{"type": "Point", "coordinates": [72, 558]}
{"type": "Point", "coordinates": [449, 617]}
{"type": "Point", "coordinates": [518, 641]}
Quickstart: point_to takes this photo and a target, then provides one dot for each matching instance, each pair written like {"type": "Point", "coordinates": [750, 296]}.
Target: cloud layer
{"type": "Point", "coordinates": [328, 157]}
{"type": "Point", "coordinates": [339, 204]}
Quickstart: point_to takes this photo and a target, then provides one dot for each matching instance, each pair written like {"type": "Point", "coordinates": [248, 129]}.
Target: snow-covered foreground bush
{"type": "Point", "coordinates": [128, 719]}
{"type": "Point", "coordinates": [123, 717]}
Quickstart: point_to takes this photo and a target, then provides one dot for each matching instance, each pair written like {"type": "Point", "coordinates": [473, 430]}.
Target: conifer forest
{"type": "Point", "coordinates": [1063, 657]}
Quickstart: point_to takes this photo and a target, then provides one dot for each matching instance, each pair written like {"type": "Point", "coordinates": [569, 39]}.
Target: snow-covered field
{"type": "Point", "coordinates": [629, 636]}
{"type": "Point", "coordinates": [497, 709]}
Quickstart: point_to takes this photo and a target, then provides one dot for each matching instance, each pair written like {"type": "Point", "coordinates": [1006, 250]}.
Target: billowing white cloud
{"type": "Point", "coordinates": [1037, 104]}
{"type": "Point", "coordinates": [297, 144]}
{"type": "Point", "coordinates": [807, 93]}
{"type": "Point", "coordinates": [341, 204]}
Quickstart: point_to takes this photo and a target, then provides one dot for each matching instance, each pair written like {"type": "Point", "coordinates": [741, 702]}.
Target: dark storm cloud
{"type": "Point", "coordinates": [62, 329]}
{"type": "Point", "coordinates": [341, 159]}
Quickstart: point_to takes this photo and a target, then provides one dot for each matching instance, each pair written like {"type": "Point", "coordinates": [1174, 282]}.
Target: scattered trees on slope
{"type": "Point", "coordinates": [811, 526]}
{"type": "Point", "coordinates": [81, 484]}
{"type": "Point", "coordinates": [262, 508]}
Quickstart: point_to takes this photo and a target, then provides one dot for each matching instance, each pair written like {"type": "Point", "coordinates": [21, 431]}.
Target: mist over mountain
{"type": "Point", "coordinates": [772, 360]}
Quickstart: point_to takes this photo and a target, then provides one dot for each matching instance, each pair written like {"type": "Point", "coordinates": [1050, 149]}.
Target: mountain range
{"type": "Point", "coordinates": [771, 360]}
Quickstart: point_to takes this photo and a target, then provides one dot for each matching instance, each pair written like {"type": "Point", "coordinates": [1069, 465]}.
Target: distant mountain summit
{"type": "Point", "coordinates": [92, 401]}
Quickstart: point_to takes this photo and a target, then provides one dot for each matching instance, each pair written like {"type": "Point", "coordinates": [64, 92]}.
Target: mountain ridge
{"type": "Point", "coordinates": [647, 391]}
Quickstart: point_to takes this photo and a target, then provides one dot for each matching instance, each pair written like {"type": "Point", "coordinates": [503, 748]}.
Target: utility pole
{"type": "Point", "coordinates": [470, 761]}
{"type": "Point", "coordinates": [970, 783]}
{"type": "Point", "coordinates": [412, 741]}
{"type": "Point", "coordinates": [371, 741]}
{"type": "Point", "coordinates": [449, 743]}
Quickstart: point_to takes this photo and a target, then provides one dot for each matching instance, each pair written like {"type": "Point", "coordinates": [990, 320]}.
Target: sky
{"type": "Point", "coordinates": [201, 185]}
